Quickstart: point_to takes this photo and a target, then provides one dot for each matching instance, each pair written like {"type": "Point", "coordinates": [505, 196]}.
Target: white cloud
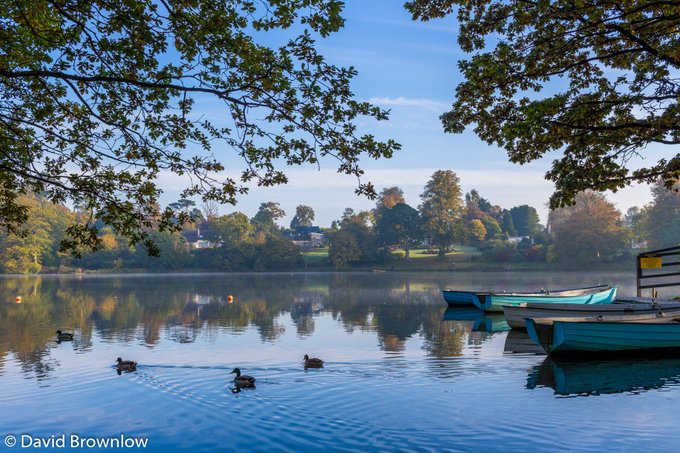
{"type": "Point", "coordinates": [423, 103]}
{"type": "Point", "coordinates": [468, 178]}
{"type": "Point", "coordinates": [309, 179]}
{"type": "Point", "coordinates": [436, 25]}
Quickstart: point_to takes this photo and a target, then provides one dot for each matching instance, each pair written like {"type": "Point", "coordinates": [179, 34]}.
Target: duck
{"type": "Point", "coordinates": [126, 365]}
{"type": "Point", "coordinates": [64, 336]}
{"type": "Point", "coordinates": [242, 380]}
{"type": "Point", "coordinates": [313, 362]}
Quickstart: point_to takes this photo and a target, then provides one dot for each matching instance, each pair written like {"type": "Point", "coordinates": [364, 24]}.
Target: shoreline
{"type": "Point", "coordinates": [464, 267]}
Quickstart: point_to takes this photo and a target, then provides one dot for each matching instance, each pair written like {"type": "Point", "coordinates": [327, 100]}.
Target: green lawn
{"type": "Point", "coordinates": [459, 251]}
{"type": "Point", "coordinates": [461, 259]}
{"type": "Point", "coordinates": [317, 257]}
{"type": "Point", "coordinates": [419, 260]}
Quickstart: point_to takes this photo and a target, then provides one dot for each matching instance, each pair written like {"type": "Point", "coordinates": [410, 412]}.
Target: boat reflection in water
{"type": "Point", "coordinates": [519, 342]}
{"type": "Point", "coordinates": [597, 377]}
{"type": "Point", "coordinates": [481, 321]}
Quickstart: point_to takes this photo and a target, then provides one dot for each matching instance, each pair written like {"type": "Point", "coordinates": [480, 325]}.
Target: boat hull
{"type": "Point", "coordinates": [461, 298]}
{"type": "Point", "coordinates": [615, 312]}
{"type": "Point", "coordinates": [497, 301]}
{"type": "Point", "coordinates": [494, 301]}
{"type": "Point", "coordinates": [605, 338]}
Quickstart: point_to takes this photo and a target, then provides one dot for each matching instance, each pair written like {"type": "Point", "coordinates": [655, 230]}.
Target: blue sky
{"type": "Point", "coordinates": [410, 68]}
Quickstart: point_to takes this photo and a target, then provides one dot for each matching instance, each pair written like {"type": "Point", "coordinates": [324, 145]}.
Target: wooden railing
{"type": "Point", "coordinates": [657, 259]}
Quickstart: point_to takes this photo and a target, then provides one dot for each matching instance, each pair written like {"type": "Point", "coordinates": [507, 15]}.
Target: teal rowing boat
{"type": "Point", "coordinates": [622, 310]}
{"type": "Point", "coordinates": [605, 338]}
{"type": "Point", "coordinates": [494, 301]}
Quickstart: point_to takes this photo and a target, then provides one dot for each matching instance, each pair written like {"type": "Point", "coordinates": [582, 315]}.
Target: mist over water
{"type": "Point", "coordinates": [401, 371]}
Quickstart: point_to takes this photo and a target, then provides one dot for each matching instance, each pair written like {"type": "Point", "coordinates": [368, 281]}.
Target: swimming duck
{"type": "Point", "coordinates": [64, 336]}
{"type": "Point", "coordinates": [126, 365]}
{"type": "Point", "coordinates": [242, 380]}
{"type": "Point", "coordinates": [313, 362]}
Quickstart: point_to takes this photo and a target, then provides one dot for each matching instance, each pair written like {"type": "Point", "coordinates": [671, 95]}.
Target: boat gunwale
{"type": "Point", "coordinates": [546, 294]}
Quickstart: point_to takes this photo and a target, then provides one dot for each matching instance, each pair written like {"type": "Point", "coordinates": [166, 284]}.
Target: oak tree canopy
{"type": "Point", "coordinates": [99, 98]}
{"type": "Point", "coordinates": [597, 82]}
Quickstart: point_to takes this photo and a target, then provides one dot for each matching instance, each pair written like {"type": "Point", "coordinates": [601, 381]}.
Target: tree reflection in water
{"type": "Point", "coordinates": [150, 309]}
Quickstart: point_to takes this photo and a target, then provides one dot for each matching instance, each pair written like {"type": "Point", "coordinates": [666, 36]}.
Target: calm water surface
{"type": "Point", "coordinates": [402, 372]}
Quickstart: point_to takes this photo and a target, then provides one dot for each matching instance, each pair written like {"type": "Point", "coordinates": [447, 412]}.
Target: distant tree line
{"type": "Point", "coordinates": [590, 231]}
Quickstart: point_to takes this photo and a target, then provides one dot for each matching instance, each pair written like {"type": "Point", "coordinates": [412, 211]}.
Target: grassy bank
{"type": "Point", "coordinates": [461, 258]}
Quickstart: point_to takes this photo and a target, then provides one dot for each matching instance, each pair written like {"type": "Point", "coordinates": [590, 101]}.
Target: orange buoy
{"type": "Point", "coordinates": [230, 298]}
{"type": "Point", "coordinates": [18, 299]}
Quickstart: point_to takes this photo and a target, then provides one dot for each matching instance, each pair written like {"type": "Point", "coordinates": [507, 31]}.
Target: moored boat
{"type": "Point", "coordinates": [494, 301]}
{"type": "Point", "coordinates": [456, 298]}
{"type": "Point", "coordinates": [605, 338]}
{"type": "Point", "coordinates": [621, 311]}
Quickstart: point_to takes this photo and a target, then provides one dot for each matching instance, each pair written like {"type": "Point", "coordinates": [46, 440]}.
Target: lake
{"type": "Point", "coordinates": [402, 373]}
